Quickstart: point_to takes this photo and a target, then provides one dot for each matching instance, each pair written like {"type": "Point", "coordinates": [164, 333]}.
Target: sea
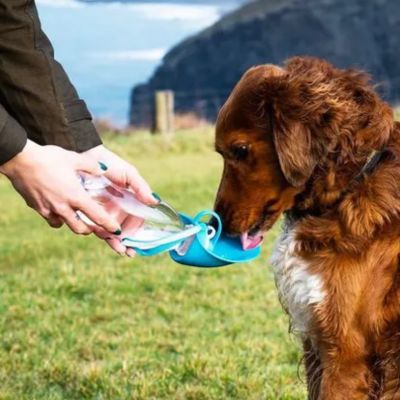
{"type": "Point", "coordinates": [109, 47]}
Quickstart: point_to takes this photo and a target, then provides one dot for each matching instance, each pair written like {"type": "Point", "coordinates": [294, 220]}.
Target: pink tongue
{"type": "Point", "coordinates": [250, 242]}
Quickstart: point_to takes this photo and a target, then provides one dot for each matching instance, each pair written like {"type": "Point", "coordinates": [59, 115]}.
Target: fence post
{"type": "Point", "coordinates": [164, 112]}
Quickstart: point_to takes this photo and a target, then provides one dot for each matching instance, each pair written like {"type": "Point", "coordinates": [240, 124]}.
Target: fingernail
{"type": "Point", "coordinates": [103, 166]}
{"type": "Point", "coordinates": [117, 232]}
{"type": "Point", "coordinates": [156, 196]}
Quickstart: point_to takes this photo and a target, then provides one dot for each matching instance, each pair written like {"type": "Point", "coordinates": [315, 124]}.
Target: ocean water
{"type": "Point", "coordinates": [107, 48]}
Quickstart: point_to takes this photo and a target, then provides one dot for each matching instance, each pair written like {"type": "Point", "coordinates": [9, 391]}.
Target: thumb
{"type": "Point", "coordinates": [90, 166]}
{"type": "Point", "coordinates": [141, 188]}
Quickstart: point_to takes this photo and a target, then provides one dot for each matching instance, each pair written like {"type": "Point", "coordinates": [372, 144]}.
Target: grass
{"type": "Point", "coordinates": [78, 322]}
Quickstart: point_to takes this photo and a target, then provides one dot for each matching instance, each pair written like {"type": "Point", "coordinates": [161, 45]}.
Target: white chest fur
{"type": "Point", "coordinates": [299, 290]}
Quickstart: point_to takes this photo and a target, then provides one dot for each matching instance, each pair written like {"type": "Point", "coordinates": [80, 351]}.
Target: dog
{"type": "Point", "coordinates": [318, 145]}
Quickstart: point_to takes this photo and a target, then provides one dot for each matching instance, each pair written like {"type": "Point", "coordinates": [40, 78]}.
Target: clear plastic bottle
{"type": "Point", "coordinates": [159, 222]}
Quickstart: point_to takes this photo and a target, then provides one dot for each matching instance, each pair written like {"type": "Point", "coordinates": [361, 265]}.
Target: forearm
{"type": "Point", "coordinates": [34, 87]}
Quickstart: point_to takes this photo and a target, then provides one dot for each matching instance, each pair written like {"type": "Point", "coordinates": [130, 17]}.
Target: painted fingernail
{"type": "Point", "coordinates": [156, 196]}
{"type": "Point", "coordinates": [117, 232]}
{"type": "Point", "coordinates": [103, 166]}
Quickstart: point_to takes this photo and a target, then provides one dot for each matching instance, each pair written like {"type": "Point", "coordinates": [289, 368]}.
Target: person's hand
{"type": "Point", "coordinates": [124, 175]}
{"type": "Point", "coordinates": [47, 178]}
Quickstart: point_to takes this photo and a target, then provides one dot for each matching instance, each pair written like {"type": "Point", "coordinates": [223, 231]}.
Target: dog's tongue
{"type": "Point", "coordinates": [251, 242]}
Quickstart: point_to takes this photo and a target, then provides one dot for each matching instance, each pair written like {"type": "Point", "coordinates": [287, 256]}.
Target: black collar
{"type": "Point", "coordinates": [373, 160]}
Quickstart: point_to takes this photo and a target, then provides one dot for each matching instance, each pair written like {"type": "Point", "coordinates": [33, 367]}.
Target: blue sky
{"type": "Point", "coordinates": [107, 48]}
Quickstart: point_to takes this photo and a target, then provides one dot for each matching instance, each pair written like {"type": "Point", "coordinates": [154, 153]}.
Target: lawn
{"type": "Point", "coordinates": [78, 322]}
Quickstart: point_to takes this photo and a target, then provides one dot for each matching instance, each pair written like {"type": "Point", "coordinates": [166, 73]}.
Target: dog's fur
{"type": "Point", "coordinates": [307, 130]}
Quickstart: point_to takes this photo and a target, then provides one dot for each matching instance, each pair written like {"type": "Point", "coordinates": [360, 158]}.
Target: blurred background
{"type": "Point", "coordinates": [108, 47]}
{"type": "Point", "coordinates": [120, 53]}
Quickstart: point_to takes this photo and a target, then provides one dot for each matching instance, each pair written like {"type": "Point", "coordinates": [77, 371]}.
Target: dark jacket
{"type": "Point", "coordinates": [37, 100]}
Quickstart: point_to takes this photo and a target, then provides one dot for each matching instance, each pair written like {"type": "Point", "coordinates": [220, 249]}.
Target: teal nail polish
{"type": "Point", "coordinates": [118, 232]}
{"type": "Point", "coordinates": [103, 166]}
{"type": "Point", "coordinates": [156, 196]}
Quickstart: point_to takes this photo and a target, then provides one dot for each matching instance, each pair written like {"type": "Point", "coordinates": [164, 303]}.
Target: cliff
{"type": "Point", "coordinates": [203, 69]}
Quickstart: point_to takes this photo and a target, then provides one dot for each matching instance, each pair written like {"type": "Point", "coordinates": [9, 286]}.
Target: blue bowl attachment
{"type": "Point", "coordinates": [198, 245]}
{"type": "Point", "coordinates": [209, 247]}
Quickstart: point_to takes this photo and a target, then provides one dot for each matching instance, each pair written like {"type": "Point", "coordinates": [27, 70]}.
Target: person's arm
{"type": "Point", "coordinates": [36, 92]}
{"type": "Point", "coordinates": [47, 179]}
{"type": "Point", "coordinates": [13, 136]}
{"type": "Point", "coordinates": [34, 87]}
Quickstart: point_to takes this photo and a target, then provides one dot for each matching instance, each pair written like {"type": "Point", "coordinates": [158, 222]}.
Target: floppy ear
{"type": "Point", "coordinates": [289, 96]}
{"type": "Point", "coordinates": [293, 146]}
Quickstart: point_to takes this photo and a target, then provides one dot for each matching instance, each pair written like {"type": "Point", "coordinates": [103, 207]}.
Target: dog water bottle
{"type": "Point", "coordinates": [189, 241]}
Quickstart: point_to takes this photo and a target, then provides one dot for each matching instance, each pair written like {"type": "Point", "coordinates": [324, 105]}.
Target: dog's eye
{"type": "Point", "coordinates": [240, 152]}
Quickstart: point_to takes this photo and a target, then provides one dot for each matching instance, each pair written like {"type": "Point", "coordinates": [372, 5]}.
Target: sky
{"type": "Point", "coordinates": [107, 48]}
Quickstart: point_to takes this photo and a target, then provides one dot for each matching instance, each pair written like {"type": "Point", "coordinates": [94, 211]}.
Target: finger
{"type": "Point", "coordinates": [55, 221]}
{"type": "Point", "coordinates": [105, 235]}
{"type": "Point", "coordinates": [112, 242]}
{"type": "Point", "coordinates": [131, 225]}
{"type": "Point", "coordinates": [96, 213]}
{"type": "Point", "coordinates": [76, 225]}
{"type": "Point", "coordinates": [116, 245]}
{"type": "Point", "coordinates": [45, 211]}
{"type": "Point", "coordinates": [130, 252]}
{"type": "Point", "coordinates": [129, 177]}
{"type": "Point", "coordinates": [101, 233]}
{"type": "Point", "coordinates": [141, 188]}
{"type": "Point", "coordinates": [86, 164]}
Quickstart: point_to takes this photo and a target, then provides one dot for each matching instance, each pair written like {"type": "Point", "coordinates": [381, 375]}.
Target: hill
{"type": "Point", "coordinates": [203, 69]}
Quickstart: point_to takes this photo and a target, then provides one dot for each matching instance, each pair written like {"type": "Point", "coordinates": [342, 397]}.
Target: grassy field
{"type": "Point", "coordinates": [78, 322]}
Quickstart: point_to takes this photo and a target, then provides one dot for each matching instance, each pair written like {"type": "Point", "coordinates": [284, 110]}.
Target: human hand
{"type": "Point", "coordinates": [124, 175]}
{"type": "Point", "coordinates": [46, 177]}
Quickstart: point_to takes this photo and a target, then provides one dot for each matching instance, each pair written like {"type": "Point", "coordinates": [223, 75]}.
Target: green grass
{"type": "Point", "coordinates": [78, 322]}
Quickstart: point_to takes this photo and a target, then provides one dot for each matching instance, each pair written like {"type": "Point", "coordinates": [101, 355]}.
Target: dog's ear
{"type": "Point", "coordinates": [289, 128]}
{"type": "Point", "coordinates": [297, 102]}
{"type": "Point", "coordinates": [293, 146]}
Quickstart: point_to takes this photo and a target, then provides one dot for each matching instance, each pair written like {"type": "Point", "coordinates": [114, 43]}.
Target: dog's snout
{"type": "Point", "coordinates": [222, 209]}
{"type": "Point", "coordinates": [227, 215]}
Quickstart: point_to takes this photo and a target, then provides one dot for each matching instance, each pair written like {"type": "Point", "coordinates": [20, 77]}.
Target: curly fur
{"type": "Point", "coordinates": [310, 128]}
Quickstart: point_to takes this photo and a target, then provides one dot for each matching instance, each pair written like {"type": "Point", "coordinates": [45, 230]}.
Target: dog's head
{"type": "Point", "coordinates": [279, 126]}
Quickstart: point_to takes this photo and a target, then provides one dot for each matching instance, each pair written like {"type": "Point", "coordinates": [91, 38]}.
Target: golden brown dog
{"type": "Point", "coordinates": [317, 144]}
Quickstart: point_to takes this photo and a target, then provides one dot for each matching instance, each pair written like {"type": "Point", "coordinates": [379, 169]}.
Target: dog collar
{"type": "Point", "coordinates": [373, 160]}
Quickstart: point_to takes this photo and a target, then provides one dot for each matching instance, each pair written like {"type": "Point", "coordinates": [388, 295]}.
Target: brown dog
{"type": "Point", "coordinates": [319, 145]}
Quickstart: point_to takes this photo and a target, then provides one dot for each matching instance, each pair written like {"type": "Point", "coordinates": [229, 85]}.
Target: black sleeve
{"type": "Point", "coordinates": [34, 87]}
{"type": "Point", "coordinates": [12, 136]}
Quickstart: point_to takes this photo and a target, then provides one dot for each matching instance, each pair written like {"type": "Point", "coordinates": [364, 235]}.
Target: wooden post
{"type": "Point", "coordinates": [164, 112]}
